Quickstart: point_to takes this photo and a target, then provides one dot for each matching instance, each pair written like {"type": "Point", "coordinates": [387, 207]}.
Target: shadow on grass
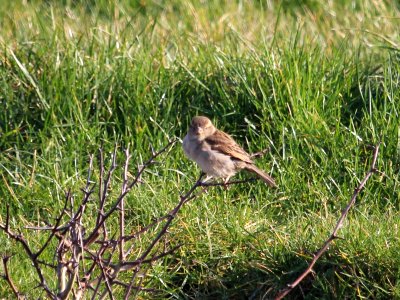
{"type": "Point", "coordinates": [257, 280]}
{"type": "Point", "coordinates": [366, 91]}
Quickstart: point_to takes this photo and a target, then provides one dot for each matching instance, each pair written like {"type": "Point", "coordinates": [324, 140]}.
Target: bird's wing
{"type": "Point", "coordinates": [224, 143]}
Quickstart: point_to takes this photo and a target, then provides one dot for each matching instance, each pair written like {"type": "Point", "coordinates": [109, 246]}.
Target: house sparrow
{"type": "Point", "coordinates": [217, 154]}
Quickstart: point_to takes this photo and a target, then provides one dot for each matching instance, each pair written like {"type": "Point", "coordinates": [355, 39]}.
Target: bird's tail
{"type": "Point", "coordinates": [264, 176]}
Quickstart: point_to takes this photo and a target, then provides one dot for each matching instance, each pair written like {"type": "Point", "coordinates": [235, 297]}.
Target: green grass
{"type": "Point", "coordinates": [316, 82]}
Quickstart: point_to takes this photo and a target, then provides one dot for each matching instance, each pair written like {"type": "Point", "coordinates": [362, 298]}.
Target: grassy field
{"type": "Point", "coordinates": [316, 82]}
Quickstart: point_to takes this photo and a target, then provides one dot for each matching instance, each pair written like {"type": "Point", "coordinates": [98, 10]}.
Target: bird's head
{"type": "Point", "coordinates": [201, 128]}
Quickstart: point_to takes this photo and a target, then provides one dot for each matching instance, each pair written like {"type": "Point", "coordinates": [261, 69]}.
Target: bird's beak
{"type": "Point", "coordinates": [198, 131]}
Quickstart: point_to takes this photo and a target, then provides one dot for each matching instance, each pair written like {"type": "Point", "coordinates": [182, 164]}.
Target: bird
{"type": "Point", "coordinates": [217, 153]}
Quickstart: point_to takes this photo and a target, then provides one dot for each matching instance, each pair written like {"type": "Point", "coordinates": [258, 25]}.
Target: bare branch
{"type": "Point", "coordinates": [259, 153]}
{"type": "Point", "coordinates": [106, 184]}
{"type": "Point", "coordinates": [126, 285]}
{"type": "Point", "coordinates": [207, 184]}
{"type": "Point", "coordinates": [7, 226]}
{"type": "Point", "coordinates": [64, 294]}
{"type": "Point", "coordinates": [21, 240]}
{"type": "Point", "coordinates": [95, 231]}
{"type": "Point", "coordinates": [138, 289]}
{"type": "Point", "coordinates": [101, 176]}
{"type": "Point", "coordinates": [98, 280]}
{"type": "Point", "coordinates": [106, 279]}
{"type": "Point", "coordinates": [333, 235]}
{"type": "Point", "coordinates": [99, 273]}
{"type": "Point", "coordinates": [169, 218]}
{"type": "Point", "coordinates": [7, 277]}
{"type": "Point", "coordinates": [130, 265]}
{"type": "Point", "coordinates": [122, 207]}
{"type": "Point", "coordinates": [58, 221]}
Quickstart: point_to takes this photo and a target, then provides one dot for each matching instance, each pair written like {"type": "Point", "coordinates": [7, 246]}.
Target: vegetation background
{"type": "Point", "coordinates": [315, 81]}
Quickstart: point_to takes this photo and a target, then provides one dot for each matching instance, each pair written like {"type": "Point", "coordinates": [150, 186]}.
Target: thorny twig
{"type": "Point", "coordinates": [333, 235]}
{"type": "Point", "coordinates": [85, 257]}
{"type": "Point", "coordinates": [33, 257]}
{"type": "Point", "coordinates": [150, 161]}
{"type": "Point", "coordinates": [9, 280]}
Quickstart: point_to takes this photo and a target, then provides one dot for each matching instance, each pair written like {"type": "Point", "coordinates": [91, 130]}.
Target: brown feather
{"type": "Point", "coordinates": [264, 176]}
{"type": "Point", "coordinates": [224, 143]}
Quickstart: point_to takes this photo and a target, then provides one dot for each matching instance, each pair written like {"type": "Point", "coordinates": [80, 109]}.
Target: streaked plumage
{"type": "Point", "coordinates": [216, 152]}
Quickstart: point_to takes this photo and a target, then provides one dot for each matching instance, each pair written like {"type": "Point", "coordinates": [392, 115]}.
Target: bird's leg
{"type": "Point", "coordinates": [208, 177]}
{"type": "Point", "coordinates": [202, 174]}
{"type": "Point", "coordinates": [226, 180]}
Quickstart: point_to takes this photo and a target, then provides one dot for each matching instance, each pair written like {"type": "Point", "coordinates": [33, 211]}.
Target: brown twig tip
{"type": "Point", "coordinates": [259, 153]}
{"type": "Point", "coordinates": [333, 235]}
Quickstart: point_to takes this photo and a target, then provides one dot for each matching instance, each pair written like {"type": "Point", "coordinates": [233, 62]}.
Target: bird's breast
{"type": "Point", "coordinates": [189, 147]}
{"type": "Point", "coordinates": [210, 161]}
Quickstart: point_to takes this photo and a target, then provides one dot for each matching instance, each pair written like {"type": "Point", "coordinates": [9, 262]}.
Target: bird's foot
{"type": "Point", "coordinates": [226, 186]}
